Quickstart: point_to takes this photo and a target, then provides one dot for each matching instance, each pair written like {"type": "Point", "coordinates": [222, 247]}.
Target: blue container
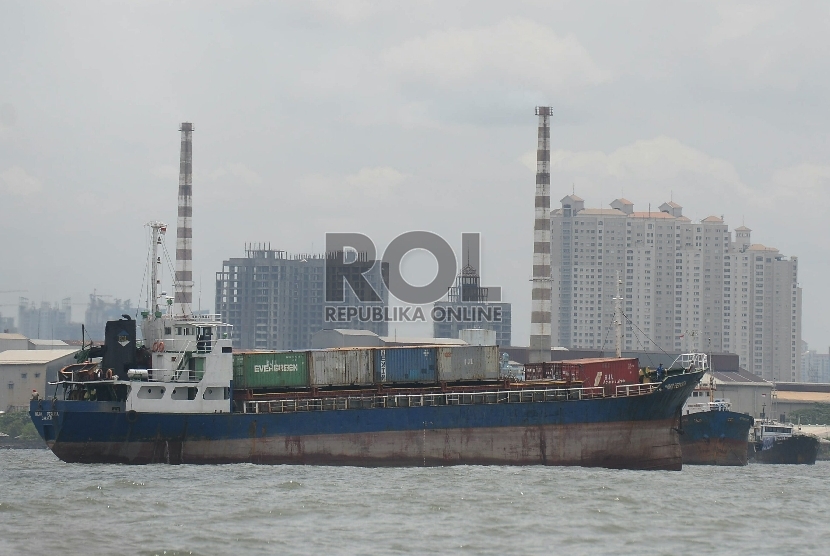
{"type": "Point", "coordinates": [408, 364]}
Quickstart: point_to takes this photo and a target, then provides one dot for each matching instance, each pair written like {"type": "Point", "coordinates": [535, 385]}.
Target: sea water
{"type": "Point", "coordinates": [51, 507]}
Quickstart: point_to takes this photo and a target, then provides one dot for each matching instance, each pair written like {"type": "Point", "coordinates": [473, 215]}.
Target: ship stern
{"type": "Point", "coordinates": [44, 418]}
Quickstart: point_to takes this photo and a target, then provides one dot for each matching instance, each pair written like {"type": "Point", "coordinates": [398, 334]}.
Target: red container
{"type": "Point", "coordinates": [607, 372]}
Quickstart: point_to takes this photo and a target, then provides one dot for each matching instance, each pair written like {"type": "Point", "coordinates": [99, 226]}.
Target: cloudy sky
{"type": "Point", "coordinates": [385, 117]}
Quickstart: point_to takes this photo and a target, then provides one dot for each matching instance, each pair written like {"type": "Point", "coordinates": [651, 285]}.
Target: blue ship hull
{"type": "Point", "coordinates": [796, 449]}
{"type": "Point", "coordinates": [634, 432]}
{"type": "Point", "coordinates": [715, 438]}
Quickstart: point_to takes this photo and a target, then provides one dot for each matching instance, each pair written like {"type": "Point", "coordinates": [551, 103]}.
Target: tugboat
{"type": "Point", "coordinates": [711, 433]}
{"type": "Point", "coordinates": [774, 442]}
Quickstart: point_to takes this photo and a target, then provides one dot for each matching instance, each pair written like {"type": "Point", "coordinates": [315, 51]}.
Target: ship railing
{"type": "Point", "coordinates": [174, 375]}
{"type": "Point", "coordinates": [373, 401]}
{"type": "Point", "coordinates": [636, 389]}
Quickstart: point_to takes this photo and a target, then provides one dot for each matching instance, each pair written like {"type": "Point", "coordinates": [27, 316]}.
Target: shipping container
{"type": "Point", "coordinates": [549, 370]}
{"type": "Point", "coordinates": [270, 369]}
{"type": "Point", "coordinates": [606, 372]}
{"type": "Point", "coordinates": [405, 364]}
{"type": "Point", "coordinates": [459, 363]}
{"type": "Point", "coordinates": [340, 367]}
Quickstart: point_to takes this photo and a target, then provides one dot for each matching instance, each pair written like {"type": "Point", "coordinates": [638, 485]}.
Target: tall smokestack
{"type": "Point", "coordinates": [184, 230]}
{"type": "Point", "coordinates": [541, 296]}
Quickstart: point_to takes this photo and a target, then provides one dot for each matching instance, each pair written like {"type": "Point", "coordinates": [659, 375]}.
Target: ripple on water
{"type": "Point", "coordinates": [484, 510]}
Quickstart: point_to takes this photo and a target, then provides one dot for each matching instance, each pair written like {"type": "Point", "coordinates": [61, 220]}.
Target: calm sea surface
{"type": "Point", "coordinates": [51, 507]}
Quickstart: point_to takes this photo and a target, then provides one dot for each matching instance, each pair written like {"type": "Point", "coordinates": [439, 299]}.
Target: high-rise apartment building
{"type": "Point", "coordinates": [685, 285]}
{"type": "Point", "coordinates": [467, 307]}
{"type": "Point", "coordinates": [815, 366]}
{"type": "Point", "coordinates": [277, 301]}
{"type": "Point", "coordinates": [48, 321]}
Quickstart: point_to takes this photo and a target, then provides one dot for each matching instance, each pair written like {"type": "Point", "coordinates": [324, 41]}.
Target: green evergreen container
{"type": "Point", "coordinates": [270, 369]}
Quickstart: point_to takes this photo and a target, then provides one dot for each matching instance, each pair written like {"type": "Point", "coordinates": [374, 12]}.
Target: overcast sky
{"type": "Point", "coordinates": [385, 117]}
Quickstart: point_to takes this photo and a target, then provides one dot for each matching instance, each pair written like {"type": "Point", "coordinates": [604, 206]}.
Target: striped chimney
{"type": "Point", "coordinates": [540, 324]}
{"type": "Point", "coordinates": [184, 230]}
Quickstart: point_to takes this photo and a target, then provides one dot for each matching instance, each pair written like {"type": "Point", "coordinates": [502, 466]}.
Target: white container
{"type": "Point", "coordinates": [340, 367]}
{"type": "Point", "coordinates": [468, 363]}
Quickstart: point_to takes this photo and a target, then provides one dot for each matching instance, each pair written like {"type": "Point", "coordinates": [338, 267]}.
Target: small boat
{"type": "Point", "coordinates": [710, 432]}
{"type": "Point", "coordinates": [774, 442]}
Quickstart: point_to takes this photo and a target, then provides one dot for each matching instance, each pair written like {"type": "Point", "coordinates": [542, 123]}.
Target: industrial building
{"type": "Point", "coordinates": [685, 286]}
{"type": "Point", "coordinates": [13, 341]}
{"type": "Point", "coordinates": [276, 300]}
{"type": "Point", "coordinates": [22, 371]}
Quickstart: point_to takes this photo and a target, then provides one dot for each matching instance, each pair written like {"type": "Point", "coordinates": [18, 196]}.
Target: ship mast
{"type": "Point", "coordinates": [157, 230]}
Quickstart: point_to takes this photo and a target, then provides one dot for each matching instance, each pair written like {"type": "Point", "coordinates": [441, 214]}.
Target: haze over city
{"type": "Point", "coordinates": [351, 116]}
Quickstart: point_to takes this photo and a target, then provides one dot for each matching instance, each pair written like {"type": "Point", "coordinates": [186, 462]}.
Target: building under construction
{"type": "Point", "coordinates": [467, 307]}
{"type": "Point", "coordinates": [277, 300]}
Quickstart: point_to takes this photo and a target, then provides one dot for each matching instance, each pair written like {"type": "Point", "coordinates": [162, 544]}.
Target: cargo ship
{"type": "Point", "coordinates": [182, 395]}
{"type": "Point", "coordinates": [188, 409]}
{"type": "Point", "coordinates": [710, 432]}
{"type": "Point", "coordinates": [773, 442]}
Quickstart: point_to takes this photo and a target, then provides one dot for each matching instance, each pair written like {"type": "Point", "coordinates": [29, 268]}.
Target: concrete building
{"type": "Point", "coordinates": [22, 371]}
{"type": "Point", "coordinates": [50, 321]}
{"type": "Point", "coordinates": [467, 307]}
{"type": "Point", "coordinates": [747, 392]}
{"type": "Point", "coordinates": [38, 344]}
{"type": "Point", "coordinates": [13, 341]}
{"type": "Point", "coordinates": [793, 396]}
{"type": "Point", "coordinates": [685, 285]}
{"type": "Point", "coordinates": [7, 325]}
{"type": "Point", "coordinates": [815, 367]}
{"type": "Point", "coordinates": [277, 301]}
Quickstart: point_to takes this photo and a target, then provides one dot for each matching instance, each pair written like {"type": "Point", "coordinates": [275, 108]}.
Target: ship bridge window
{"type": "Point", "coordinates": [217, 393]}
{"type": "Point", "coordinates": [151, 392]}
{"type": "Point", "coordinates": [184, 393]}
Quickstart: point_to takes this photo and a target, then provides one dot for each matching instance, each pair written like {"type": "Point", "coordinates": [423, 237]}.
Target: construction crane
{"type": "Point", "coordinates": [13, 291]}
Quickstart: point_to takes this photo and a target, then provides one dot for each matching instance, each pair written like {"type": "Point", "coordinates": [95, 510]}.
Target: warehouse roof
{"type": "Point", "coordinates": [350, 332]}
{"type": "Point", "coordinates": [600, 212]}
{"type": "Point", "coordinates": [8, 336]}
{"type": "Point", "coordinates": [652, 214]}
{"type": "Point", "coordinates": [39, 342]}
{"type": "Point", "coordinates": [401, 341]}
{"type": "Point", "coordinates": [804, 397]}
{"type": "Point", "coordinates": [739, 376]}
{"type": "Point", "coordinates": [33, 356]}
